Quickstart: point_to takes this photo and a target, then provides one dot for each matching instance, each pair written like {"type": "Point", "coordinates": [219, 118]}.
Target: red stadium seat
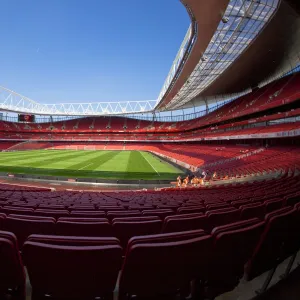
{"type": "Point", "coordinates": [23, 227]}
{"type": "Point", "coordinates": [73, 240]}
{"type": "Point", "coordinates": [80, 228]}
{"type": "Point", "coordinates": [161, 213]}
{"type": "Point", "coordinates": [184, 222]}
{"type": "Point", "coordinates": [87, 214]}
{"type": "Point", "coordinates": [12, 276]}
{"type": "Point", "coordinates": [72, 271]}
{"type": "Point", "coordinates": [55, 213]}
{"type": "Point", "coordinates": [191, 209]}
{"type": "Point", "coordinates": [269, 251]}
{"type": "Point", "coordinates": [215, 219]}
{"type": "Point", "coordinates": [233, 246]}
{"type": "Point", "coordinates": [124, 230]}
{"type": "Point", "coordinates": [125, 213]}
{"type": "Point", "coordinates": [255, 210]}
{"type": "Point", "coordinates": [157, 269]}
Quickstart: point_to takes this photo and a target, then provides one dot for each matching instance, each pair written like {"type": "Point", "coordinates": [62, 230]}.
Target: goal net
{"type": "Point", "coordinates": [70, 147]}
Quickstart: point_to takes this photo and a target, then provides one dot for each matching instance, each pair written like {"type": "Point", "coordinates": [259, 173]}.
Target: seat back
{"type": "Point", "coordinates": [250, 211]}
{"type": "Point", "coordinates": [232, 249]}
{"type": "Point", "coordinates": [12, 275]}
{"type": "Point", "coordinates": [273, 205]}
{"type": "Point", "coordinates": [168, 206]}
{"type": "Point", "coordinates": [2, 217]}
{"type": "Point", "coordinates": [239, 203]}
{"type": "Point", "coordinates": [10, 236]}
{"type": "Point", "coordinates": [191, 209]}
{"type": "Point", "coordinates": [16, 210]}
{"type": "Point", "coordinates": [119, 214]}
{"type": "Point", "coordinates": [78, 219]}
{"type": "Point", "coordinates": [217, 206]}
{"type": "Point", "coordinates": [124, 230]}
{"type": "Point", "coordinates": [277, 212]}
{"type": "Point", "coordinates": [268, 252]}
{"type": "Point", "coordinates": [179, 223]}
{"type": "Point", "coordinates": [215, 219]}
{"type": "Point", "coordinates": [55, 213]}
{"type": "Point", "coordinates": [160, 269]}
{"type": "Point", "coordinates": [31, 217]}
{"type": "Point", "coordinates": [91, 228]}
{"type": "Point", "coordinates": [220, 210]}
{"type": "Point", "coordinates": [87, 214]}
{"type": "Point", "coordinates": [291, 201]}
{"type": "Point", "coordinates": [82, 207]}
{"type": "Point", "coordinates": [110, 207]}
{"type": "Point", "coordinates": [161, 213]}
{"type": "Point", "coordinates": [72, 271]}
{"type": "Point", "coordinates": [73, 240]}
{"type": "Point", "coordinates": [52, 206]}
{"type": "Point", "coordinates": [235, 226]}
{"type": "Point", "coordinates": [166, 237]}
{"type": "Point", "coordinates": [136, 219]}
{"type": "Point", "coordinates": [292, 242]}
{"type": "Point", "coordinates": [22, 227]}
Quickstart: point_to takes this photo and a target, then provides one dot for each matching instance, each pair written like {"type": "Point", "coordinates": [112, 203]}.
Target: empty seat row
{"type": "Point", "coordinates": [126, 227]}
{"type": "Point", "coordinates": [88, 267]}
{"type": "Point", "coordinates": [191, 207]}
{"type": "Point", "coordinates": [159, 265]}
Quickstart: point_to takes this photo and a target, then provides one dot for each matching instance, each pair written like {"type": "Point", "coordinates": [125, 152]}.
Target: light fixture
{"type": "Point", "coordinates": [225, 20]}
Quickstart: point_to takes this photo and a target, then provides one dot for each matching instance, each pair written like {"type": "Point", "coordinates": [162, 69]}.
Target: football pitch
{"type": "Point", "coordinates": [102, 164]}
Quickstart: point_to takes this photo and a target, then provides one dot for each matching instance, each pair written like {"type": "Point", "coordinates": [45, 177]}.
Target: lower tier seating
{"type": "Point", "coordinates": [160, 241]}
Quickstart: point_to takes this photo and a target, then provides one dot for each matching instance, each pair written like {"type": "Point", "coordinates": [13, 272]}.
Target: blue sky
{"type": "Point", "coordinates": [86, 51]}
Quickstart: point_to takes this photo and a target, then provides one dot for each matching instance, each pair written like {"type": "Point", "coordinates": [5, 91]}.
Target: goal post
{"type": "Point", "coordinates": [71, 147]}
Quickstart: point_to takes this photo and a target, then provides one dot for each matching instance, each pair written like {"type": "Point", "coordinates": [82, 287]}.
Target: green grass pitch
{"type": "Point", "coordinates": [102, 164]}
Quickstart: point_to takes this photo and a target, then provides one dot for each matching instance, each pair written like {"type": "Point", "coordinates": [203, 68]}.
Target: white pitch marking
{"type": "Point", "coordinates": [149, 163]}
{"type": "Point", "coordinates": [83, 167]}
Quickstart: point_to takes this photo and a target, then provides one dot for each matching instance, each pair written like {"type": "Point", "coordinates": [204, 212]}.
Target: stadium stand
{"type": "Point", "coordinates": [170, 225]}
{"type": "Point", "coordinates": [193, 242]}
{"type": "Point", "coordinates": [271, 110]}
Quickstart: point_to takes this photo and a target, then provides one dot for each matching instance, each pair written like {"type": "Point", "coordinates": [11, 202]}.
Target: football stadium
{"type": "Point", "coordinates": [193, 195]}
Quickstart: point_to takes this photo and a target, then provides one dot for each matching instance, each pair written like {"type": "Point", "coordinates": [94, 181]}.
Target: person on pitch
{"type": "Point", "coordinates": [179, 181]}
{"type": "Point", "coordinates": [194, 181]}
{"type": "Point", "coordinates": [186, 180]}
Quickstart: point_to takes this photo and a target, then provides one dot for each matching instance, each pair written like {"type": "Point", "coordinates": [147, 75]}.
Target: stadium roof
{"type": "Point", "coordinates": [14, 102]}
{"type": "Point", "coordinates": [237, 28]}
{"type": "Point", "coordinates": [255, 41]}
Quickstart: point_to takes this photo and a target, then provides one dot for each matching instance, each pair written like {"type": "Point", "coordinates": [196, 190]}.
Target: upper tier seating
{"type": "Point", "coordinates": [253, 128]}
{"type": "Point", "coordinates": [109, 128]}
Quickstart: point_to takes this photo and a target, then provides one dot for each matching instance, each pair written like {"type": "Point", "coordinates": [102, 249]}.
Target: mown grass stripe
{"type": "Point", "coordinates": [98, 161]}
{"type": "Point", "coordinates": [34, 153]}
{"type": "Point", "coordinates": [23, 154]}
{"type": "Point", "coordinates": [63, 156]}
{"type": "Point", "coordinates": [92, 164]}
{"type": "Point", "coordinates": [144, 155]}
{"type": "Point", "coordinates": [118, 163]}
{"type": "Point", "coordinates": [88, 161]}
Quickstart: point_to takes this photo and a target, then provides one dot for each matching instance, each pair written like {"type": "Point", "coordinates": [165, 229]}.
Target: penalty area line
{"type": "Point", "coordinates": [83, 167]}
{"type": "Point", "coordinates": [150, 163]}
